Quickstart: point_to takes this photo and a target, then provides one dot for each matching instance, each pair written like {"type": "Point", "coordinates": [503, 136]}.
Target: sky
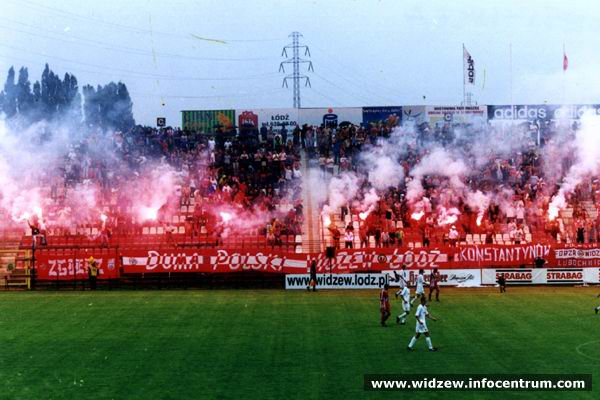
{"type": "Point", "coordinates": [364, 52]}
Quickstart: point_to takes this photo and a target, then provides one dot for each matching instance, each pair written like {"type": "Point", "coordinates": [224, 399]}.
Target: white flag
{"type": "Point", "coordinates": [469, 66]}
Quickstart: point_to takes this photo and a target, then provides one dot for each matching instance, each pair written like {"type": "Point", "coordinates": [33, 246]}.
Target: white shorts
{"type": "Point", "coordinates": [421, 328]}
{"type": "Point", "coordinates": [420, 290]}
{"type": "Point", "coordinates": [405, 306]}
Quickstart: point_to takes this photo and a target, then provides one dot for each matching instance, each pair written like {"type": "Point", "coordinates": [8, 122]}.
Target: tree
{"type": "Point", "coordinates": [124, 108]}
{"type": "Point", "coordinates": [24, 96]}
{"type": "Point", "coordinates": [108, 106]}
{"type": "Point", "coordinates": [91, 109]}
{"type": "Point", "coordinates": [9, 103]}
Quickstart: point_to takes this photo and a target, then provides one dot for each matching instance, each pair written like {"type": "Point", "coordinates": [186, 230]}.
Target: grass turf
{"type": "Point", "coordinates": [271, 344]}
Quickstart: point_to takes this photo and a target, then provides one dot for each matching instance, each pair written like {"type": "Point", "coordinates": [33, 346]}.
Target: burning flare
{"type": "Point", "coordinates": [417, 215]}
{"type": "Point", "coordinates": [226, 216]}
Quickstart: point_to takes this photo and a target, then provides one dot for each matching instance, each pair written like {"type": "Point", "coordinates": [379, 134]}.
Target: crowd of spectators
{"type": "Point", "coordinates": [518, 212]}
{"type": "Point", "coordinates": [255, 180]}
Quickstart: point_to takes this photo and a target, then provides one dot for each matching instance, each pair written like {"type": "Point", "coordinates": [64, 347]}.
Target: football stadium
{"type": "Point", "coordinates": [178, 220]}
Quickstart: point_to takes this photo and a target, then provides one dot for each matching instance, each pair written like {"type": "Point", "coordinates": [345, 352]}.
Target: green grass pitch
{"type": "Point", "coordinates": [276, 344]}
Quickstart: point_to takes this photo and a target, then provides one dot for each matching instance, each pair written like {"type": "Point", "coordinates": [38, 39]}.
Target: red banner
{"type": "Point", "coordinates": [490, 255]}
{"type": "Point", "coordinates": [74, 266]}
{"type": "Point", "coordinates": [379, 259]}
{"type": "Point", "coordinates": [213, 261]}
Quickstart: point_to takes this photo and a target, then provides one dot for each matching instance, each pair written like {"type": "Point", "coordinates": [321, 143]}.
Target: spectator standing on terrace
{"type": "Point", "coordinates": [580, 225]}
{"type": "Point", "coordinates": [399, 236]}
{"type": "Point", "coordinates": [336, 235]}
{"type": "Point", "coordinates": [517, 235]}
{"type": "Point", "coordinates": [426, 236]}
{"type": "Point", "coordinates": [349, 239]}
{"type": "Point", "coordinates": [453, 236]}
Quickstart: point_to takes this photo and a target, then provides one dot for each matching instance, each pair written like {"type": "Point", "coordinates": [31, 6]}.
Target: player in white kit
{"type": "Point", "coordinates": [405, 293]}
{"type": "Point", "coordinates": [421, 315]}
{"type": "Point", "coordinates": [597, 308]}
{"type": "Point", "coordinates": [420, 292]}
{"type": "Point", "coordinates": [402, 279]}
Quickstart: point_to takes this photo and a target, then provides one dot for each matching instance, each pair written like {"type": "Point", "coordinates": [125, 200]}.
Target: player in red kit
{"type": "Point", "coordinates": [384, 304]}
{"type": "Point", "coordinates": [434, 280]}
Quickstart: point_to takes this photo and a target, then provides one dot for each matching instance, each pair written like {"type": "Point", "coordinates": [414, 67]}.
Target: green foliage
{"type": "Point", "coordinates": [51, 97]}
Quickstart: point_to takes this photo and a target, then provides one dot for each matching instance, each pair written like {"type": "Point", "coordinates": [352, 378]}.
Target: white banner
{"type": "Point", "coordinates": [456, 114]}
{"type": "Point", "coordinates": [563, 275]}
{"type": "Point", "coordinates": [337, 281]}
{"type": "Point", "coordinates": [542, 276]}
{"type": "Point", "coordinates": [275, 118]}
{"type": "Point", "coordinates": [318, 116]}
{"type": "Point", "coordinates": [448, 277]}
{"type": "Point", "coordinates": [469, 66]}
{"type": "Point", "coordinates": [591, 275]}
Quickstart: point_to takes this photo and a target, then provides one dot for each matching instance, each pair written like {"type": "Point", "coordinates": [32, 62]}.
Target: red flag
{"type": "Point", "coordinates": [565, 62]}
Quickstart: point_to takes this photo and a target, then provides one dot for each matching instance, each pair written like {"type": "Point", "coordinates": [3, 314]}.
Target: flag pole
{"type": "Point", "coordinates": [511, 78]}
{"type": "Point", "coordinates": [463, 74]}
{"type": "Point", "coordinates": [564, 77]}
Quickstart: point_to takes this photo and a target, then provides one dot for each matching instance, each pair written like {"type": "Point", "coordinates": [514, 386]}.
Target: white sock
{"type": "Point", "coordinates": [428, 340]}
{"type": "Point", "coordinates": [598, 308]}
{"type": "Point", "coordinates": [413, 300]}
{"type": "Point", "coordinates": [398, 292]}
{"type": "Point", "coordinates": [412, 342]}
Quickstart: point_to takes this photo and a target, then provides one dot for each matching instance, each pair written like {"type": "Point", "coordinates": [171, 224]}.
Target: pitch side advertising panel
{"type": "Point", "coordinates": [518, 276]}
{"type": "Point", "coordinates": [275, 118]}
{"type": "Point", "coordinates": [337, 281]}
{"type": "Point", "coordinates": [565, 275]}
{"type": "Point", "coordinates": [416, 115]}
{"type": "Point", "coordinates": [541, 276]}
{"type": "Point", "coordinates": [543, 112]}
{"type": "Point", "coordinates": [206, 121]}
{"type": "Point", "coordinates": [389, 115]}
{"type": "Point", "coordinates": [331, 116]}
{"type": "Point", "coordinates": [448, 277]}
{"type": "Point", "coordinates": [456, 114]}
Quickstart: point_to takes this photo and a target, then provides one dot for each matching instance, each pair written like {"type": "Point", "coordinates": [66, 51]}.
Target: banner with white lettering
{"type": "Point", "coordinates": [74, 266]}
{"type": "Point", "coordinates": [212, 260]}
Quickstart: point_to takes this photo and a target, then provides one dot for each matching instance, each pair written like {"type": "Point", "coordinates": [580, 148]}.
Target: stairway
{"type": "Point", "coordinates": [9, 253]}
{"type": "Point", "coordinates": [311, 234]}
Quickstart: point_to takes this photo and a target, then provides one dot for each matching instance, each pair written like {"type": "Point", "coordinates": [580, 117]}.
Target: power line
{"type": "Point", "coordinates": [131, 50]}
{"type": "Point", "coordinates": [333, 101]}
{"type": "Point", "coordinates": [232, 95]}
{"type": "Point", "coordinates": [355, 72]}
{"type": "Point", "coordinates": [128, 28]}
{"type": "Point", "coordinates": [360, 87]}
{"type": "Point", "coordinates": [360, 100]}
{"type": "Point", "coordinates": [140, 74]}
